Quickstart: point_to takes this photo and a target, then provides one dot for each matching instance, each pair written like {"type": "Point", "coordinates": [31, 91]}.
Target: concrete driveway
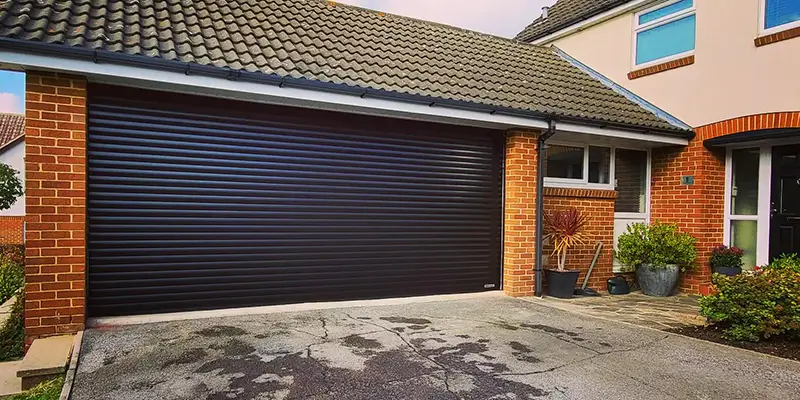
{"type": "Point", "coordinates": [486, 347]}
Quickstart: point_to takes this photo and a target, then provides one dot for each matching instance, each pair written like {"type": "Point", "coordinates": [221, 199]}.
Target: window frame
{"type": "Point", "coordinates": [572, 183]}
{"type": "Point", "coordinates": [762, 22]}
{"type": "Point", "coordinates": [762, 217]}
{"type": "Point", "coordinates": [639, 28]}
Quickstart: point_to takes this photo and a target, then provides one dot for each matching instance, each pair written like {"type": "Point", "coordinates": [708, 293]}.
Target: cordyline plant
{"type": "Point", "coordinates": [565, 230]}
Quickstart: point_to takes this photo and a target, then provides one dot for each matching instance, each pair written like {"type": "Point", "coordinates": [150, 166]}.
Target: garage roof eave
{"type": "Point", "coordinates": [109, 67]}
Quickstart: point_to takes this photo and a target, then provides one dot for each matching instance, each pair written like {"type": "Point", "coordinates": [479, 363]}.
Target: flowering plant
{"type": "Point", "coordinates": [726, 257]}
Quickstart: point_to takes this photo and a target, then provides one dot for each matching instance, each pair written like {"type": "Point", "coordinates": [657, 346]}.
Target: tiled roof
{"type": "Point", "coordinates": [330, 43]}
{"type": "Point", "coordinates": [12, 127]}
{"type": "Point", "coordinates": [565, 13]}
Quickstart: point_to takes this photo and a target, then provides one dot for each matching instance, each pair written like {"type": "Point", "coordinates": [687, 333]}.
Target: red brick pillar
{"type": "Point", "coordinates": [520, 213]}
{"type": "Point", "coordinates": [55, 204]}
{"type": "Point", "coordinates": [699, 208]}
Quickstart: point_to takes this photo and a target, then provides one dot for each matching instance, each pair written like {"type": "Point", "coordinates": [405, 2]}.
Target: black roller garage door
{"type": "Point", "coordinates": [197, 203]}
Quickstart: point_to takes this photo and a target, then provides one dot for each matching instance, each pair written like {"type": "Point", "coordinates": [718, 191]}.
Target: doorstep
{"type": "Point", "coordinates": [10, 384]}
{"type": "Point", "coordinates": [46, 359]}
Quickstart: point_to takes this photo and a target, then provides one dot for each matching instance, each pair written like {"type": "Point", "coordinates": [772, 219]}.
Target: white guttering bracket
{"type": "Point", "coordinates": [616, 11]}
{"type": "Point", "coordinates": [290, 96]}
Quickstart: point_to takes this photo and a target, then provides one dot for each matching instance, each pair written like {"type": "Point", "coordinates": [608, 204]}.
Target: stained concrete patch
{"type": "Point", "coordinates": [404, 320]}
{"type": "Point", "coordinates": [462, 353]}
{"type": "Point", "coordinates": [190, 356]}
{"type": "Point", "coordinates": [523, 353]}
{"type": "Point", "coordinates": [549, 329]}
{"type": "Point", "coordinates": [361, 342]}
{"type": "Point", "coordinates": [221, 330]}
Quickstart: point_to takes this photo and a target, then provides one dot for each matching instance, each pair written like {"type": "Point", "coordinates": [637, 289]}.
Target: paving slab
{"type": "Point", "coordinates": [484, 348]}
{"type": "Point", "coordinates": [9, 382]}
{"type": "Point", "coordinates": [635, 308]}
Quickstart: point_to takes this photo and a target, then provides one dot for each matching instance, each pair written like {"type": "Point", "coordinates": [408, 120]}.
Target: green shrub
{"type": "Point", "coordinates": [12, 334]}
{"type": "Point", "coordinates": [50, 390]}
{"type": "Point", "coordinates": [12, 270]}
{"type": "Point", "coordinates": [658, 244]}
{"type": "Point", "coordinates": [12, 278]}
{"type": "Point", "coordinates": [789, 262]}
{"type": "Point", "coordinates": [756, 306]}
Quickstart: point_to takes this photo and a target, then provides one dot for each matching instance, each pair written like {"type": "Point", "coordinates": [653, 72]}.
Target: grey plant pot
{"type": "Point", "coordinates": [659, 282]}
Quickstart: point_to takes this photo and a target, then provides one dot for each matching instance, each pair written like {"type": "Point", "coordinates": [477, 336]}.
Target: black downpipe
{"type": "Point", "coordinates": [551, 130]}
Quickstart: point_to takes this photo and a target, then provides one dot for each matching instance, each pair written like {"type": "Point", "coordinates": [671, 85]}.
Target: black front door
{"type": "Point", "coordinates": [785, 235]}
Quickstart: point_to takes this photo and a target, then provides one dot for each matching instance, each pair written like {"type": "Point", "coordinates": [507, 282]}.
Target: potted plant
{"type": "Point", "coordinates": [564, 229]}
{"type": "Point", "coordinates": [658, 252]}
{"type": "Point", "coordinates": [726, 260]}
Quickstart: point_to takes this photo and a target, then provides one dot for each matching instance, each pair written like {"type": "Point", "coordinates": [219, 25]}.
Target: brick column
{"type": "Point", "coordinates": [520, 213]}
{"type": "Point", "coordinates": [55, 204]}
{"type": "Point", "coordinates": [698, 209]}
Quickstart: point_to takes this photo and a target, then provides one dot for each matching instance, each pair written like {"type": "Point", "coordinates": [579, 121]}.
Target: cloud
{"type": "Point", "coordinates": [499, 17]}
{"type": "Point", "coordinates": [11, 103]}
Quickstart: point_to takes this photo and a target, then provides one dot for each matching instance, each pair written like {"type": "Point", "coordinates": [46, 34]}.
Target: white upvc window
{"type": "Point", "coordinates": [664, 32]}
{"type": "Point", "coordinates": [579, 166]}
{"type": "Point", "coordinates": [778, 15]}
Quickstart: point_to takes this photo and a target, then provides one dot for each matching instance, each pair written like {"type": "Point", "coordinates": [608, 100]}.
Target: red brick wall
{"type": "Point", "coordinates": [699, 208]}
{"type": "Point", "coordinates": [598, 205]}
{"type": "Point", "coordinates": [520, 213]}
{"type": "Point", "coordinates": [55, 204]}
{"type": "Point", "coordinates": [12, 230]}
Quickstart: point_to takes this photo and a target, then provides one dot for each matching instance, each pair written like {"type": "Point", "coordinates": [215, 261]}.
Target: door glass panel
{"type": "Point", "coordinates": [744, 193]}
{"type": "Point", "coordinates": [790, 195]}
{"type": "Point", "coordinates": [564, 162]}
{"type": "Point", "coordinates": [744, 235]}
{"type": "Point", "coordinates": [599, 164]}
{"type": "Point", "coordinates": [631, 181]}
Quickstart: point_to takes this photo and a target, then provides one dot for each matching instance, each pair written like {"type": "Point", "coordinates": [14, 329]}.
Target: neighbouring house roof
{"type": "Point", "coordinates": [564, 14]}
{"type": "Point", "coordinates": [12, 128]}
{"type": "Point", "coordinates": [330, 44]}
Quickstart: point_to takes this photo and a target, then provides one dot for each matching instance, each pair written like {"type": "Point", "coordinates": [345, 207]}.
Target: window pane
{"type": "Point", "coordinates": [599, 164]}
{"type": "Point", "coordinates": [779, 12]}
{"type": "Point", "coordinates": [564, 162]}
{"type": "Point", "coordinates": [744, 193]}
{"type": "Point", "coordinates": [630, 171]}
{"type": "Point", "coordinates": [663, 12]}
{"type": "Point", "coordinates": [665, 40]}
{"type": "Point", "coordinates": [743, 236]}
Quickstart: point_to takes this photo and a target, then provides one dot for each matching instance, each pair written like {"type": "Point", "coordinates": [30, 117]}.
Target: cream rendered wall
{"type": "Point", "coordinates": [14, 156]}
{"type": "Point", "coordinates": [731, 77]}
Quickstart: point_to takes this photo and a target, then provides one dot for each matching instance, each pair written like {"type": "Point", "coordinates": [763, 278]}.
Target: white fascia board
{"type": "Point", "coordinates": [263, 93]}
{"type": "Point", "coordinates": [610, 133]}
{"type": "Point", "coordinates": [614, 12]}
{"type": "Point", "coordinates": [298, 97]}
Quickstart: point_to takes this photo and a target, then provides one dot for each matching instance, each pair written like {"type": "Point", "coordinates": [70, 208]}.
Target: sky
{"type": "Point", "coordinates": [498, 17]}
{"type": "Point", "coordinates": [12, 92]}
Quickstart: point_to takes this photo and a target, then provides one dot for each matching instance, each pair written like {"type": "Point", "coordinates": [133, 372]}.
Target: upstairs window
{"type": "Point", "coordinates": [665, 32]}
{"type": "Point", "coordinates": [779, 15]}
